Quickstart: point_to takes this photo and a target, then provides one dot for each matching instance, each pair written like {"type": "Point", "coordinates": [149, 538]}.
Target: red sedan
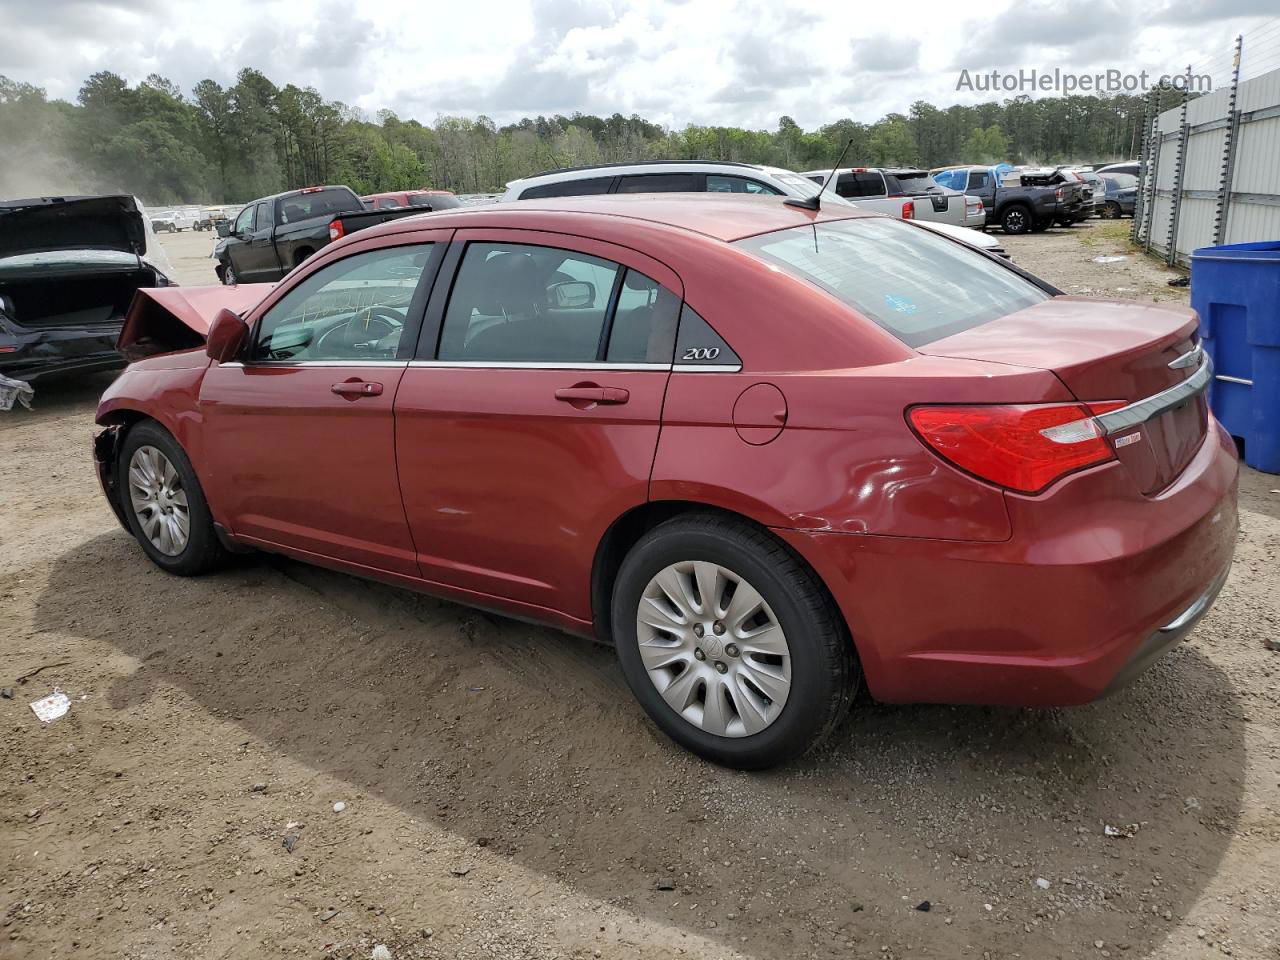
{"type": "Point", "coordinates": [769, 453]}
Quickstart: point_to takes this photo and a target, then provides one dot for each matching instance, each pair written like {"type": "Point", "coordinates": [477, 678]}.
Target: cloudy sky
{"type": "Point", "coordinates": [695, 61]}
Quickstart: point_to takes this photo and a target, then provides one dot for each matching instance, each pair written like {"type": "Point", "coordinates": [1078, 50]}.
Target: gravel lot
{"type": "Point", "coordinates": [505, 798]}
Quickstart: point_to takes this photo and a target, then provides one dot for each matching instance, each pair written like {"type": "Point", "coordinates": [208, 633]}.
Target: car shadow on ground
{"type": "Point", "coordinates": [529, 740]}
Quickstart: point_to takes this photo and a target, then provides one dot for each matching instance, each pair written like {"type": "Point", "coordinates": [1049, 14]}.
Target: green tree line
{"type": "Point", "coordinates": [228, 144]}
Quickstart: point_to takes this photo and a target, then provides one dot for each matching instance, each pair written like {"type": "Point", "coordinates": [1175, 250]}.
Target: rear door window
{"type": "Point", "coordinates": [644, 322]}
{"type": "Point", "coordinates": [525, 304]}
{"type": "Point", "coordinates": [661, 183]}
{"type": "Point", "coordinates": [917, 285]}
{"type": "Point", "coordinates": [978, 179]}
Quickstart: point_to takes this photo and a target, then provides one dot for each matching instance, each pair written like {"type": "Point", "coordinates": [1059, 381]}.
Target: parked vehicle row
{"type": "Point", "coordinates": [588, 411]}
{"type": "Point", "coordinates": [716, 176]}
{"type": "Point", "coordinates": [906, 193]}
{"type": "Point", "coordinates": [1020, 201]}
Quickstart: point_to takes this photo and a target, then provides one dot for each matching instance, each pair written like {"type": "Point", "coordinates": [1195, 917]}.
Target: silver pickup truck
{"type": "Point", "coordinates": [894, 190]}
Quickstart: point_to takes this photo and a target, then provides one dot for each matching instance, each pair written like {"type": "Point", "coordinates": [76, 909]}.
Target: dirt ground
{"type": "Point", "coordinates": [505, 797]}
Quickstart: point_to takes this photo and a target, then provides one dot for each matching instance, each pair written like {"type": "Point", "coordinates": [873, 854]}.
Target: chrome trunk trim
{"type": "Point", "coordinates": [1140, 412]}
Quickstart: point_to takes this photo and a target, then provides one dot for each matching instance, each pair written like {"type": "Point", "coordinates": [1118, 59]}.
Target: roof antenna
{"type": "Point", "coordinates": [815, 202]}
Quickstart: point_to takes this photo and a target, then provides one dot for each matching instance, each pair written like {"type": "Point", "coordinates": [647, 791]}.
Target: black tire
{"type": "Point", "coordinates": [1111, 210]}
{"type": "Point", "coordinates": [203, 551]}
{"type": "Point", "coordinates": [301, 256]}
{"type": "Point", "coordinates": [1041, 225]}
{"type": "Point", "coordinates": [1016, 219]}
{"type": "Point", "coordinates": [228, 275]}
{"type": "Point", "coordinates": [824, 669]}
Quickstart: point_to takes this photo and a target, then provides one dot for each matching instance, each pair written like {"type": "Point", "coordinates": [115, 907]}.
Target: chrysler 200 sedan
{"type": "Point", "coordinates": [768, 453]}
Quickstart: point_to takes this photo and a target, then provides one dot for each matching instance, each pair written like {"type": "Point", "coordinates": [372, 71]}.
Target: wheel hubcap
{"type": "Point", "coordinates": [713, 648]}
{"type": "Point", "coordinates": [159, 501]}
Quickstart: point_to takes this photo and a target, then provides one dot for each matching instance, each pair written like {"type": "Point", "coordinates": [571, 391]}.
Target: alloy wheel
{"type": "Point", "coordinates": [159, 500]}
{"type": "Point", "coordinates": [713, 648]}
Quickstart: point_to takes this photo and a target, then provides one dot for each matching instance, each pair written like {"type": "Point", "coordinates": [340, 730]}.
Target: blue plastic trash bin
{"type": "Point", "coordinates": [1236, 291]}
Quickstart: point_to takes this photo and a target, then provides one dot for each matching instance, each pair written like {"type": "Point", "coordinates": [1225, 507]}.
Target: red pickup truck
{"type": "Point", "coordinates": [427, 199]}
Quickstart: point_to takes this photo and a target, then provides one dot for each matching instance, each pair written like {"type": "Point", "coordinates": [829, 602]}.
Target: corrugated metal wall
{"type": "Point", "coordinates": [1201, 134]}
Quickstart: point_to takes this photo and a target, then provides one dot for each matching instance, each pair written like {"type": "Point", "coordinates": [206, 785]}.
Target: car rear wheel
{"type": "Point", "coordinates": [730, 642]}
{"type": "Point", "coordinates": [1016, 219]}
{"type": "Point", "coordinates": [165, 506]}
{"type": "Point", "coordinates": [1111, 210]}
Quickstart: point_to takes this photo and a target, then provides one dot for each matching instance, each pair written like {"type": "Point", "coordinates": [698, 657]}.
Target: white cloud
{"type": "Point", "coordinates": [699, 61]}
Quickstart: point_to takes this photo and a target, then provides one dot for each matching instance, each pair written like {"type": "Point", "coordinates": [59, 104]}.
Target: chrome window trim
{"type": "Point", "coordinates": [1157, 403]}
{"type": "Point", "coordinates": [593, 365]}
{"type": "Point", "coordinates": [707, 368]}
{"type": "Point", "coordinates": [537, 365]}
{"type": "Point", "coordinates": [315, 363]}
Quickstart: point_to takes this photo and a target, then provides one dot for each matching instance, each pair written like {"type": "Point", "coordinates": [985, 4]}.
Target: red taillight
{"type": "Point", "coordinates": [1023, 447]}
{"type": "Point", "coordinates": [336, 230]}
{"type": "Point", "coordinates": [909, 210]}
{"type": "Point", "coordinates": [1059, 194]}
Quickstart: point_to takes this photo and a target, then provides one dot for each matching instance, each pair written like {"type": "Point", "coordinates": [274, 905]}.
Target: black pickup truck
{"type": "Point", "coordinates": [273, 235]}
{"type": "Point", "coordinates": [1033, 201]}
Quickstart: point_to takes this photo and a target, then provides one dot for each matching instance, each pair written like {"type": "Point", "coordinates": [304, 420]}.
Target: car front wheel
{"type": "Point", "coordinates": [165, 506]}
{"type": "Point", "coordinates": [228, 275]}
{"type": "Point", "coordinates": [730, 643]}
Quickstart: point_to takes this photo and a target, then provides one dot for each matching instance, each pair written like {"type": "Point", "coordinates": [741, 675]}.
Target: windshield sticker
{"type": "Point", "coordinates": [900, 304]}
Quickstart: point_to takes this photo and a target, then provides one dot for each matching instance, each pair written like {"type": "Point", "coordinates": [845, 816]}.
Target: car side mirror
{"type": "Point", "coordinates": [227, 334]}
{"type": "Point", "coordinates": [569, 294]}
{"type": "Point", "coordinates": [224, 228]}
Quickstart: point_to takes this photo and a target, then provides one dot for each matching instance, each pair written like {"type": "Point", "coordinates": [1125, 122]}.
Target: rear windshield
{"type": "Point", "coordinates": [911, 183]}
{"type": "Point", "coordinates": [915, 284]}
{"type": "Point", "coordinates": [304, 206]}
{"type": "Point", "coordinates": [436, 201]}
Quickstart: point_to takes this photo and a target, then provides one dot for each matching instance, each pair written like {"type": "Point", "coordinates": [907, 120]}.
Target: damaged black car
{"type": "Point", "coordinates": [69, 267]}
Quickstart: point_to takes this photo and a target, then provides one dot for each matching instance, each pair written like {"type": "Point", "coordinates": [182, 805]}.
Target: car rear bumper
{"type": "Point", "coordinates": [1089, 591]}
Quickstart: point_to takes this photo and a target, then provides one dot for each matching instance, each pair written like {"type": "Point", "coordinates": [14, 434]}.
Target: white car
{"type": "Point", "coordinates": [717, 176]}
{"type": "Point", "coordinates": [893, 190]}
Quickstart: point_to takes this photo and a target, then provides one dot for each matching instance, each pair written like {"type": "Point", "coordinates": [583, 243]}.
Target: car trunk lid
{"type": "Point", "coordinates": [1141, 355]}
{"type": "Point", "coordinates": [71, 223]}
